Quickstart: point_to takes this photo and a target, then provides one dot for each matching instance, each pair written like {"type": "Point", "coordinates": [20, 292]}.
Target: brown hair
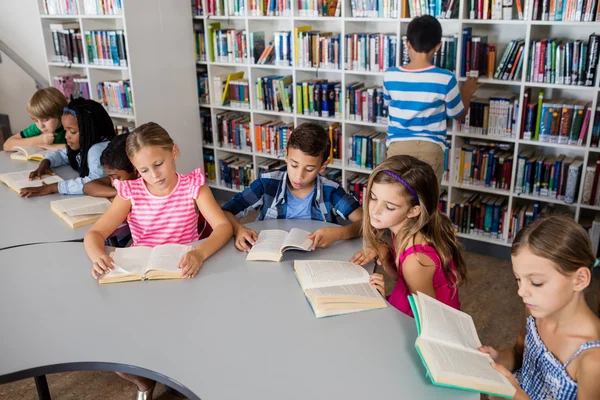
{"type": "Point", "coordinates": [435, 227]}
{"type": "Point", "coordinates": [557, 238]}
{"type": "Point", "coordinates": [149, 134]}
{"type": "Point", "coordinates": [312, 139]}
{"type": "Point", "coordinates": [46, 103]}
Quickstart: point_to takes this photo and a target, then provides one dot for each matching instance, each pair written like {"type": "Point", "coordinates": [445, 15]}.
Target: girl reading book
{"type": "Point", "coordinates": [557, 353]}
{"type": "Point", "coordinates": [160, 209]}
{"type": "Point", "coordinates": [88, 131]}
{"type": "Point", "coordinates": [424, 255]}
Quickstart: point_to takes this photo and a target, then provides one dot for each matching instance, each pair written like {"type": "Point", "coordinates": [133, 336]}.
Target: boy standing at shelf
{"type": "Point", "coordinates": [45, 108]}
{"type": "Point", "coordinates": [420, 97]}
{"type": "Point", "coordinates": [298, 191]}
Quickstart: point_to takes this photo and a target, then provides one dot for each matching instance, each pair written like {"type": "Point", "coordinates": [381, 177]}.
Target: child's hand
{"type": "Point", "coordinates": [376, 280]}
{"type": "Point", "coordinates": [37, 191]}
{"type": "Point", "coordinates": [245, 236]}
{"type": "Point", "coordinates": [45, 139]}
{"type": "Point", "coordinates": [520, 393]}
{"type": "Point", "coordinates": [190, 263]}
{"type": "Point", "coordinates": [102, 266]}
{"type": "Point", "coordinates": [368, 254]}
{"type": "Point", "coordinates": [493, 353]}
{"type": "Point", "coordinates": [471, 85]}
{"type": "Point", "coordinates": [42, 169]}
{"type": "Point", "coordinates": [324, 237]}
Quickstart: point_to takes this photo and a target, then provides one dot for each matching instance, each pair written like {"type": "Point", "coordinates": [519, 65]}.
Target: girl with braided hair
{"type": "Point", "coordinates": [88, 131]}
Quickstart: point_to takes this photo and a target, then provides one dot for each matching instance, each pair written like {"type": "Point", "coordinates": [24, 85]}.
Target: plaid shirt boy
{"type": "Point", "coordinates": [268, 193]}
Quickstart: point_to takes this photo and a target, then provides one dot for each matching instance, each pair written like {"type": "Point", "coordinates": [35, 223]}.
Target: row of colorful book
{"type": "Point", "coordinates": [374, 52]}
{"type": "Point", "coordinates": [106, 47]}
{"type": "Point", "coordinates": [367, 149]}
{"type": "Point", "coordinates": [319, 98]}
{"type": "Point", "coordinates": [376, 9]}
{"type": "Point", "coordinates": [479, 57]}
{"type": "Point", "coordinates": [569, 63]}
{"type": "Point", "coordinates": [319, 8]}
{"type": "Point", "coordinates": [72, 86]}
{"type": "Point", "coordinates": [230, 8]}
{"type": "Point", "coordinates": [224, 93]}
{"type": "Point", "coordinates": [511, 64]}
{"type": "Point", "coordinates": [548, 176]}
{"type": "Point", "coordinates": [60, 7]}
{"type": "Point", "coordinates": [203, 87]}
{"type": "Point", "coordinates": [525, 213]}
{"type": "Point", "coordinates": [333, 175]}
{"type": "Point", "coordinates": [444, 58]}
{"type": "Point", "coordinates": [491, 9]}
{"type": "Point", "coordinates": [551, 121]}
{"type": "Point", "coordinates": [276, 52]}
{"type": "Point", "coordinates": [68, 43]}
{"type": "Point", "coordinates": [124, 127]}
{"type": "Point", "coordinates": [496, 116]}
{"type": "Point", "coordinates": [275, 93]}
{"type": "Point", "coordinates": [206, 127]}
{"type": "Point", "coordinates": [356, 185]}
{"type": "Point", "coordinates": [116, 96]}
{"type": "Point", "coordinates": [365, 103]}
{"type": "Point", "coordinates": [479, 214]}
{"type": "Point", "coordinates": [561, 10]}
{"type": "Point", "coordinates": [270, 137]}
{"type": "Point", "coordinates": [591, 194]}
{"type": "Point", "coordinates": [200, 46]}
{"type": "Point", "coordinates": [210, 172]}
{"type": "Point", "coordinates": [271, 8]}
{"type": "Point", "coordinates": [102, 7]}
{"type": "Point", "coordinates": [236, 172]}
{"type": "Point", "coordinates": [316, 49]}
{"type": "Point", "coordinates": [233, 131]}
{"type": "Point", "coordinates": [435, 8]}
{"type": "Point", "coordinates": [485, 164]}
{"type": "Point", "coordinates": [230, 46]}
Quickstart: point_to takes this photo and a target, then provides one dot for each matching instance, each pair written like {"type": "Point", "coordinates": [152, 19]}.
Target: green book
{"type": "Point", "coordinates": [539, 116]}
{"type": "Point", "coordinates": [211, 45]}
{"type": "Point", "coordinates": [448, 345]}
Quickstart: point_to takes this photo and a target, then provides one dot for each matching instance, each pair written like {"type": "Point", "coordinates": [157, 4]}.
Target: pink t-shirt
{"type": "Point", "coordinates": [444, 291]}
{"type": "Point", "coordinates": [171, 219]}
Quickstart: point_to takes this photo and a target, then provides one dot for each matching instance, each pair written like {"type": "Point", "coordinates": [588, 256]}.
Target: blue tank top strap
{"type": "Point", "coordinates": [585, 346]}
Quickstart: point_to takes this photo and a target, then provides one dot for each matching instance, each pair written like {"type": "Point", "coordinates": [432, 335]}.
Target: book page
{"type": "Point", "coordinates": [86, 205]}
{"type": "Point", "coordinates": [461, 363]}
{"type": "Point", "coordinates": [20, 180]}
{"type": "Point", "coordinates": [30, 151]}
{"type": "Point", "coordinates": [166, 257]}
{"type": "Point", "coordinates": [269, 241]}
{"type": "Point", "coordinates": [131, 260]}
{"type": "Point", "coordinates": [446, 324]}
{"type": "Point", "coordinates": [297, 239]}
{"type": "Point", "coordinates": [320, 273]}
{"type": "Point", "coordinates": [356, 290]}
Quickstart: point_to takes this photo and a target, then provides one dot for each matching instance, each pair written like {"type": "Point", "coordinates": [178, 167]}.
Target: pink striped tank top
{"type": "Point", "coordinates": [171, 219]}
{"type": "Point", "coordinates": [444, 291]}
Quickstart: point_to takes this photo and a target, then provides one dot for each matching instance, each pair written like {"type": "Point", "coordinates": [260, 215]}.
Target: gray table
{"type": "Point", "coordinates": [239, 330]}
{"type": "Point", "coordinates": [26, 221]}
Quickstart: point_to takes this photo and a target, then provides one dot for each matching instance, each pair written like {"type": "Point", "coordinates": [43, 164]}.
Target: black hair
{"type": "Point", "coordinates": [312, 139]}
{"type": "Point", "coordinates": [424, 33]}
{"type": "Point", "coordinates": [95, 126]}
{"type": "Point", "coordinates": [115, 156]}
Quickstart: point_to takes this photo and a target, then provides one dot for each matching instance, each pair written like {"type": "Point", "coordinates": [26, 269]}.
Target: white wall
{"type": "Point", "coordinates": [21, 30]}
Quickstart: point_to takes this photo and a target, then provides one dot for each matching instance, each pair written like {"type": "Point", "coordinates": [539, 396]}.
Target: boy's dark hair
{"type": "Point", "coordinates": [424, 33]}
{"type": "Point", "coordinates": [312, 139]}
{"type": "Point", "coordinates": [115, 156]}
{"type": "Point", "coordinates": [95, 126]}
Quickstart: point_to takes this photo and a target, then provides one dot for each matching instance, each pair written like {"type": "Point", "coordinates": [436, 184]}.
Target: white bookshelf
{"type": "Point", "coordinates": [155, 37]}
{"type": "Point", "coordinates": [499, 32]}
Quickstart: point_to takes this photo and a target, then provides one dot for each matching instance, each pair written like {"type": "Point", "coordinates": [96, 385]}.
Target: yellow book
{"type": "Point", "coordinates": [19, 180]}
{"type": "Point", "coordinates": [80, 211]}
{"type": "Point", "coordinates": [209, 34]}
{"type": "Point", "coordinates": [296, 31]}
{"type": "Point", "coordinates": [461, 166]}
{"type": "Point", "coordinates": [26, 153]}
{"type": "Point", "coordinates": [230, 77]}
{"type": "Point", "coordinates": [142, 263]}
{"type": "Point", "coordinates": [336, 287]}
{"type": "Point", "coordinates": [448, 345]}
{"type": "Point", "coordinates": [271, 244]}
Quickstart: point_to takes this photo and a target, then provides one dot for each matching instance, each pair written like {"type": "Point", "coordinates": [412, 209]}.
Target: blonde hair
{"type": "Point", "coordinates": [149, 134]}
{"type": "Point", "coordinates": [46, 103]}
{"type": "Point", "coordinates": [435, 227]}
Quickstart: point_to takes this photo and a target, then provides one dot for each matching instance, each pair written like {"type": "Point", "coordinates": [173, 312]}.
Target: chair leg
{"type": "Point", "coordinates": [42, 387]}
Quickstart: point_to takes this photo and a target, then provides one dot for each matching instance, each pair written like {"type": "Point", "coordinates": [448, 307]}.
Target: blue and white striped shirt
{"type": "Point", "coordinates": [419, 101]}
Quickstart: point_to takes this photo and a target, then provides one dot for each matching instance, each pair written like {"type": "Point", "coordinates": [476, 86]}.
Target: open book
{"type": "Point", "coordinates": [448, 344]}
{"type": "Point", "coordinates": [144, 263]}
{"type": "Point", "coordinates": [25, 153]}
{"type": "Point", "coordinates": [80, 211]}
{"type": "Point", "coordinates": [19, 180]}
{"type": "Point", "coordinates": [337, 287]}
{"type": "Point", "coordinates": [272, 243]}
